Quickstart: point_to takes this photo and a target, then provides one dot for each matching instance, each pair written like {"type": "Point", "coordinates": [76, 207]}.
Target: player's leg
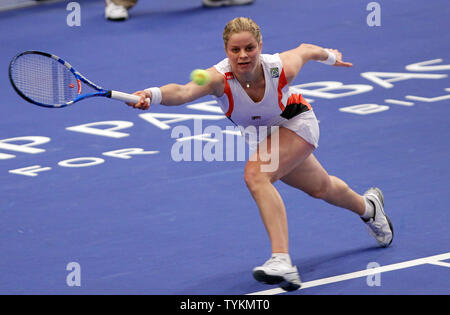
{"type": "Point", "coordinates": [291, 151]}
{"type": "Point", "coordinates": [128, 4]}
{"type": "Point", "coordinates": [312, 178]}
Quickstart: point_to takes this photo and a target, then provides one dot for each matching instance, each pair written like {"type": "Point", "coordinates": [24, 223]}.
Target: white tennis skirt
{"type": "Point", "coordinates": [305, 125]}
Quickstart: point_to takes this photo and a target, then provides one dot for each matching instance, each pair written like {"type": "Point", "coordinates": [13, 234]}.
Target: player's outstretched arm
{"type": "Point", "coordinates": [294, 59]}
{"type": "Point", "coordinates": [177, 94]}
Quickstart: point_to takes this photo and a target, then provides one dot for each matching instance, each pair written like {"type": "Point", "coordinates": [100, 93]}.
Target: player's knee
{"type": "Point", "coordinates": [253, 176]}
{"type": "Point", "coordinates": [321, 191]}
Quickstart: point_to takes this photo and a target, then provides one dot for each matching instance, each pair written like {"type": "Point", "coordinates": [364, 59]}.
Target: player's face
{"type": "Point", "coordinates": [243, 52]}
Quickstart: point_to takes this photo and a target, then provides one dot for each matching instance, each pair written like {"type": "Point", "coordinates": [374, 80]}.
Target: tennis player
{"type": "Point", "coordinates": [253, 90]}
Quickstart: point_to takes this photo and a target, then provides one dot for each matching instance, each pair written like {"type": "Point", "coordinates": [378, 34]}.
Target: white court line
{"type": "Point", "coordinates": [440, 263]}
{"type": "Point", "coordinates": [366, 272]}
{"type": "Point", "coordinates": [397, 102]}
{"type": "Point", "coordinates": [427, 99]}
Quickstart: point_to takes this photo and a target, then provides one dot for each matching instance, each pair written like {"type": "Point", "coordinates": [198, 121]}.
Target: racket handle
{"type": "Point", "coordinates": [125, 97]}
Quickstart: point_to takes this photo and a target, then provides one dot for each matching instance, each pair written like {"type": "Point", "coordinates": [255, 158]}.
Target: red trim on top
{"type": "Point", "coordinates": [229, 76]}
{"type": "Point", "coordinates": [282, 82]}
{"type": "Point", "coordinates": [230, 97]}
{"type": "Point", "coordinates": [304, 102]}
{"type": "Point", "coordinates": [298, 99]}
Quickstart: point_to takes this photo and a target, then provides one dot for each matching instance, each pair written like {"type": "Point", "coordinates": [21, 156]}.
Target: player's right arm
{"type": "Point", "coordinates": [177, 94]}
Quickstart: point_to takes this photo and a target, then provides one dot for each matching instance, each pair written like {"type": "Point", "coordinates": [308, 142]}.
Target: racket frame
{"type": "Point", "coordinates": [79, 77]}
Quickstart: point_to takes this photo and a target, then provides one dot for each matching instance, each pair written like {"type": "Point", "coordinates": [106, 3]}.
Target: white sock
{"type": "Point", "coordinates": [370, 211]}
{"type": "Point", "coordinates": [283, 256]}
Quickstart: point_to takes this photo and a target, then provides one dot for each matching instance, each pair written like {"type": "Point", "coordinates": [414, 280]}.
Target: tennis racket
{"type": "Point", "coordinates": [46, 80]}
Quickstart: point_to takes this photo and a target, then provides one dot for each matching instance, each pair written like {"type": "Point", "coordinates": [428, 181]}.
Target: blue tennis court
{"type": "Point", "coordinates": [94, 191]}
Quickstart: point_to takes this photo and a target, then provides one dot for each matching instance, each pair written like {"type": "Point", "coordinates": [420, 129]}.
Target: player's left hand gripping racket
{"type": "Point", "coordinates": [47, 80]}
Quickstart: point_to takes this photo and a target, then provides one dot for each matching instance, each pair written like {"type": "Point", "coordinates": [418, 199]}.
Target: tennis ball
{"type": "Point", "coordinates": [200, 77]}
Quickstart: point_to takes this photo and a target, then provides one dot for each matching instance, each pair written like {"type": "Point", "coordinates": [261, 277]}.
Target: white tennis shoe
{"type": "Point", "coordinates": [115, 12]}
{"type": "Point", "coordinates": [219, 3]}
{"type": "Point", "coordinates": [379, 226]}
{"type": "Point", "coordinates": [278, 271]}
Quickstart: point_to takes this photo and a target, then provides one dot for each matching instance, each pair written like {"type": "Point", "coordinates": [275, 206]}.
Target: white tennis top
{"type": "Point", "coordinates": [278, 107]}
{"type": "Point", "coordinates": [242, 110]}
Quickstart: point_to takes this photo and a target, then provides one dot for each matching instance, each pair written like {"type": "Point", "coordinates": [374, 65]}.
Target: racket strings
{"type": "Point", "coordinates": [44, 80]}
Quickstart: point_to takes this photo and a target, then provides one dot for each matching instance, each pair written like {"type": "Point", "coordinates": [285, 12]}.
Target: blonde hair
{"type": "Point", "coordinates": [241, 24]}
